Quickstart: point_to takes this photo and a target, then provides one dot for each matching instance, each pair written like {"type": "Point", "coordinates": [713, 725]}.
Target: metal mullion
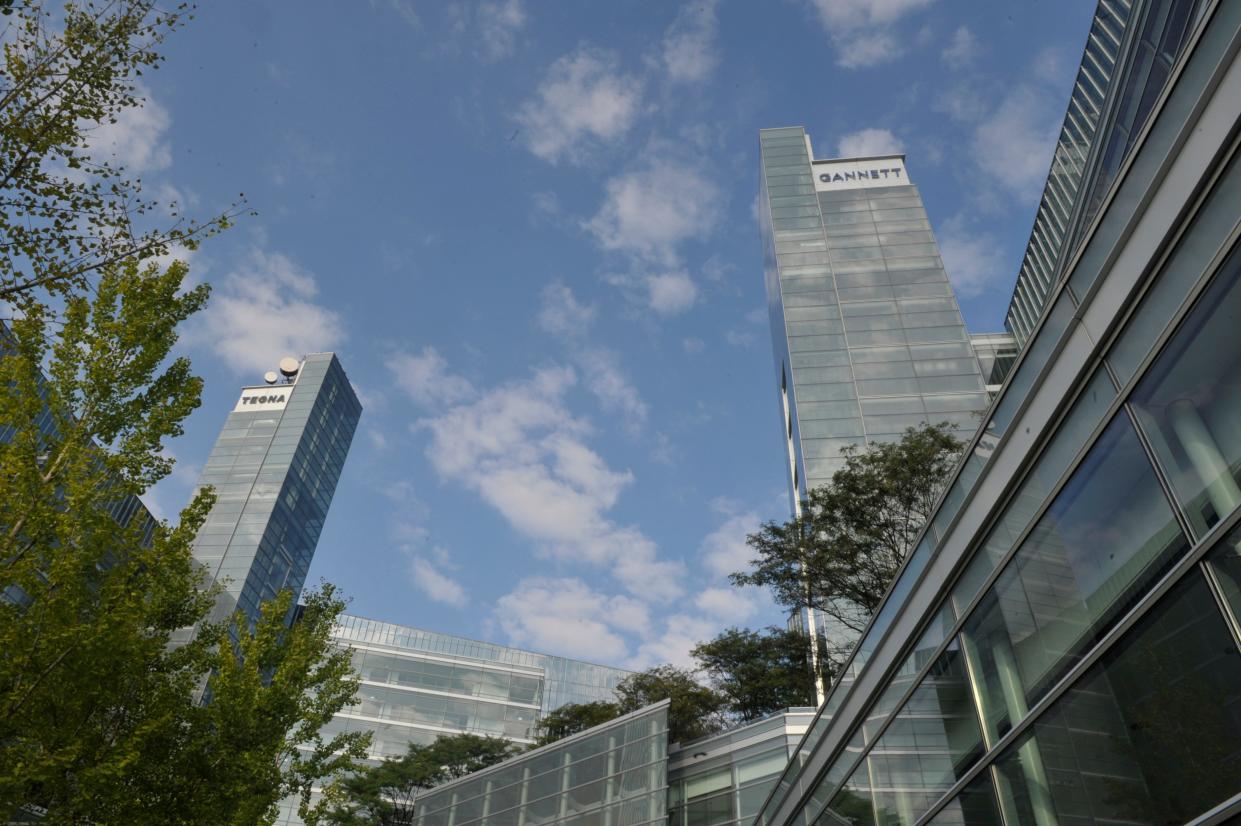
{"type": "Point", "coordinates": [1225, 607]}
{"type": "Point", "coordinates": [1178, 513]}
{"type": "Point", "coordinates": [1183, 568]}
{"type": "Point", "coordinates": [1220, 813]}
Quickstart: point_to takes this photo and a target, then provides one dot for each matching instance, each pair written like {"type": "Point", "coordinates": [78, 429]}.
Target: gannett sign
{"type": "Point", "coordinates": [836, 175]}
{"type": "Point", "coordinates": [872, 174]}
{"type": "Point", "coordinates": [263, 398]}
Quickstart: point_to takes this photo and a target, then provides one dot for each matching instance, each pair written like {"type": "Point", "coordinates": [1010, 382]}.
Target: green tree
{"type": "Point", "coordinates": [67, 210]}
{"type": "Point", "coordinates": [385, 795]}
{"type": "Point", "coordinates": [853, 533]}
{"type": "Point", "coordinates": [695, 710]}
{"type": "Point", "coordinates": [98, 719]}
{"type": "Point", "coordinates": [759, 672]}
{"type": "Point", "coordinates": [272, 688]}
{"type": "Point", "coordinates": [572, 718]}
{"type": "Point", "coordinates": [89, 605]}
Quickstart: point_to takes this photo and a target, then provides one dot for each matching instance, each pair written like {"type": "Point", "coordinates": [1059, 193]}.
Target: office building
{"type": "Point", "coordinates": [614, 774]}
{"type": "Point", "coordinates": [274, 468]}
{"type": "Point", "coordinates": [626, 772]}
{"type": "Point", "coordinates": [418, 685]}
{"type": "Point", "coordinates": [867, 335]}
{"type": "Point", "coordinates": [724, 779]}
{"type": "Point", "coordinates": [996, 352]}
{"type": "Point", "coordinates": [1063, 646]}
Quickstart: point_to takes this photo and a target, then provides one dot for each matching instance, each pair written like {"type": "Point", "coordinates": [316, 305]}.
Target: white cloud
{"type": "Point", "coordinates": [264, 309]}
{"type": "Point", "coordinates": [973, 260]}
{"type": "Point", "coordinates": [138, 139]}
{"type": "Point", "coordinates": [499, 23]}
{"type": "Point", "coordinates": [729, 605]}
{"type": "Point", "coordinates": [425, 378]}
{"type": "Point", "coordinates": [852, 14]}
{"type": "Point", "coordinates": [609, 384]}
{"type": "Point", "coordinates": [671, 293]}
{"type": "Point", "coordinates": [961, 102]}
{"type": "Point", "coordinates": [435, 584]}
{"type": "Point", "coordinates": [861, 29]}
{"type": "Point", "coordinates": [521, 449]}
{"type": "Point", "coordinates": [1015, 142]}
{"type": "Point", "coordinates": [694, 345]}
{"type": "Point", "coordinates": [584, 100]}
{"type": "Point", "coordinates": [648, 212]}
{"type": "Point", "coordinates": [568, 617]}
{"type": "Point", "coordinates": [689, 48]}
{"type": "Point", "coordinates": [724, 550]}
{"type": "Point", "coordinates": [562, 314]}
{"type": "Point", "coordinates": [860, 51]}
{"type": "Point", "coordinates": [403, 9]}
{"type": "Point", "coordinates": [962, 50]}
{"type": "Point", "coordinates": [680, 634]}
{"type": "Point", "coordinates": [867, 142]}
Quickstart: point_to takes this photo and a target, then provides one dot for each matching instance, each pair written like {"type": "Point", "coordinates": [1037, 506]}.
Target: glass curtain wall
{"type": "Point", "coordinates": [612, 775]}
{"type": "Point", "coordinates": [1162, 474]}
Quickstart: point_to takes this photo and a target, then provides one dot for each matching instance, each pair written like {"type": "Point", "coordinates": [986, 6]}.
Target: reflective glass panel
{"type": "Point", "coordinates": [1107, 533]}
{"type": "Point", "coordinates": [1151, 735]}
{"type": "Point", "coordinates": [974, 806]}
{"type": "Point", "coordinates": [1189, 403]}
{"type": "Point", "coordinates": [927, 747]}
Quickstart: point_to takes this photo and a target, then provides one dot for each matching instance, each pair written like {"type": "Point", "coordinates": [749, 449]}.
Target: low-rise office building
{"type": "Point", "coordinates": [724, 779]}
{"type": "Point", "coordinates": [625, 773]}
{"type": "Point", "coordinates": [1063, 646]}
{"type": "Point", "coordinates": [417, 686]}
{"type": "Point", "coordinates": [615, 774]}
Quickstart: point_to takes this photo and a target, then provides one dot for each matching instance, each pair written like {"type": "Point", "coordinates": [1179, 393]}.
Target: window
{"type": "Point", "coordinates": [1150, 735]}
{"type": "Point", "coordinates": [1188, 404]}
{"type": "Point", "coordinates": [1107, 534]}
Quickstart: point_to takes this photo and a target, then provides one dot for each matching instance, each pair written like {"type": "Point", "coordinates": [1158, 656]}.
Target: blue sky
{"type": "Point", "coordinates": [527, 229]}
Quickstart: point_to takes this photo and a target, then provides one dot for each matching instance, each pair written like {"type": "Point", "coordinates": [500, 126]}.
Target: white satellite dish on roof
{"type": "Point", "coordinates": [271, 377]}
{"type": "Point", "coordinates": [289, 366]}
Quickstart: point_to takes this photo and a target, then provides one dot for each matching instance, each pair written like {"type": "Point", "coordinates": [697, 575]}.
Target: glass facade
{"type": "Point", "coordinates": [867, 334]}
{"type": "Point", "coordinates": [611, 775]}
{"type": "Point", "coordinates": [996, 352]}
{"type": "Point", "coordinates": [1127, 62]}
{"type": "Point", "coordinates": [274, 469]}
{"type": "Point", "coordinates": [724, 779]}
{"type": "Point", "coordinates": [418, 685]}
{"type": "Point", "coordinates": [1064, 647]}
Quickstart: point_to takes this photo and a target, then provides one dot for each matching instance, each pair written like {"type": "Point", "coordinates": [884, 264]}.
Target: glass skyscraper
{"type": "Point", "coordinates": [1064, 644]}
{"type": "Point", "coordinates": [867, 335]}
{"type": "Point", "coordinates": [274, 468]}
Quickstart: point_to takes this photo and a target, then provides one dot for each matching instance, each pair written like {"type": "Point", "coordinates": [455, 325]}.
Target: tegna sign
{"type": "Point", "coordinates": [861, 174]}
{"type": "Point", "coordinates": [273, 398]}
{"type": "Point", "coordinates": [263, 398]}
